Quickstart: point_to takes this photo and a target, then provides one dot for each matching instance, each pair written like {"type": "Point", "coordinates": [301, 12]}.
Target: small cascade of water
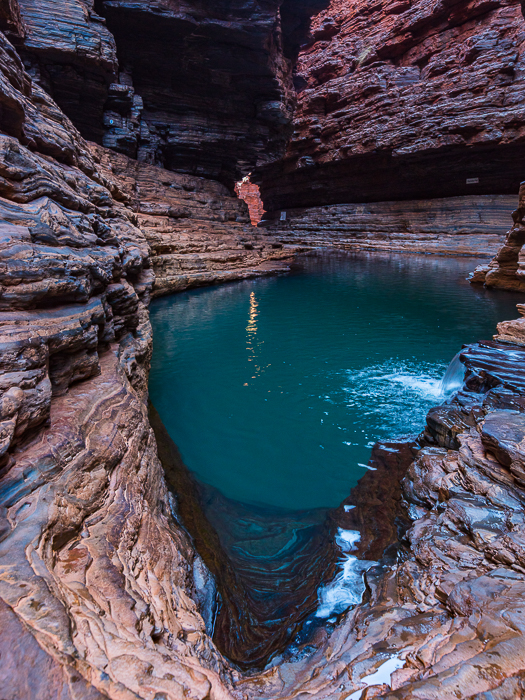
{"type": "Point", "coordinates": [348, 586]}
{"type": "Point", "coordinates": [453, 378]}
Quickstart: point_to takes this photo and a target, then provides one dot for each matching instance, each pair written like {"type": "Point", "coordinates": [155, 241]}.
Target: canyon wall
{"type": "Point", "coordinates": [404, 100]}
{"type": "Point", "coordinates": [102, 593]}
{"type": "Point", "coordinates": [472, 225]}
{"type": "Point", "coordinates": [507, 269]}
{"type": "Point", "coordinates": [198, 233]}
{"type": "Point", "coordinates": [86, 526]}
{"type": "Point", "coordinates": [201, 89]}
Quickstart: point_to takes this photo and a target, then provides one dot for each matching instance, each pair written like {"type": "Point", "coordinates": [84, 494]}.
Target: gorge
{"type": "Point", "coordinates": [373, 129]}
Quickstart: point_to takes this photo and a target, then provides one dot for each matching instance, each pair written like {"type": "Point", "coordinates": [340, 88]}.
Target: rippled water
{"type": "Point", "coordinates": [275, 389]}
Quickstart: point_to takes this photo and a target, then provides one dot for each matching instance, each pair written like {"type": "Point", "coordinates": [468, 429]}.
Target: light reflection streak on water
{"type": "Point", "coordinates": [253, 345]}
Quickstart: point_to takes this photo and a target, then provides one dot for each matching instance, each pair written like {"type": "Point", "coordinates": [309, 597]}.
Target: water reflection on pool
{"type": "Point", "coordinates": [275, 389]}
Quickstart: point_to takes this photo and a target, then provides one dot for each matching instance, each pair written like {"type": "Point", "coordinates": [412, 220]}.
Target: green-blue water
{"type": "Point", "coordinates": [275, 389]}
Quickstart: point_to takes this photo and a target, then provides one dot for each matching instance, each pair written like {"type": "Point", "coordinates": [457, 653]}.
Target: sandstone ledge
{"type": "Point", "coordinates": [471, 226]}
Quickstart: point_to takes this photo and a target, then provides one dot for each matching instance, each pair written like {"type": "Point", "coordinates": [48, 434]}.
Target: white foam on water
{"type": "Point", "coordinates": [397, 394]}
{"type": "Point", "coordinates": [382, 675]}
{"type": "Point", "coordinates": [425, 385]}
{"type": "Point", "coordinates": [367, 466]}
{"type": "Point", "coordinates": [347, 539]}
{"type": "Point", "coordinates": [348, 586]}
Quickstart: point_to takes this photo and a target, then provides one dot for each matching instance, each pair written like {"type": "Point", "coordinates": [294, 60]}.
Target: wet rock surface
{"type": "Point", "coordinates": [443, 620]}
{"type": "Point", "coordinates": [404, 100]}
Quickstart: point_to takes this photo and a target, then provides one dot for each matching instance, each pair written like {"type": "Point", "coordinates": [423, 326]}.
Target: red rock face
{"type": "Point", "coordinates": [405, 100]}
{"type": "Point", "coordinates": [200, 88]}
{"type": "Point", "coordinates": [249, 192]}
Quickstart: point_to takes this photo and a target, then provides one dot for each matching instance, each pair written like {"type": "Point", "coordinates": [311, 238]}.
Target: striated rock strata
{"type": "Point", "coordinates": [452, 226]}
{"type": "Point", "coordinates": [404, 100]}
{"type": "Point", "coordinates": [99, 585]}
{"type": "Point", "coordinates": [197, 232]}
{"type": "Point", "coordinates": [204, 89]}
{"type": "Point", "coordinates": [102, 593]}
{"type": "Point", "coordinates": [69, 51]}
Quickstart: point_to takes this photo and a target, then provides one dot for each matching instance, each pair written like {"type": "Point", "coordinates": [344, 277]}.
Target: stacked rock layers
{"type": "Point", "coordinates": [101, 591]}
{"type": "Point", "coordinates": [451, 226]}
{"type": "Point", "coordinates": [195, 88]}
{"type": "Point", "coordinates": [405, 100]}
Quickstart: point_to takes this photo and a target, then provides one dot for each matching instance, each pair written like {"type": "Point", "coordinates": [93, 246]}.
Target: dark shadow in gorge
{"type": "Point", "coordinates": [269, 563]}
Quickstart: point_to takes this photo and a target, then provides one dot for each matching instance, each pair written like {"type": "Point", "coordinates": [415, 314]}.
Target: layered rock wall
{"type": "Point", "coordinates": [69, 51]}
{"type": "Point", "coordinates": [201, 90]}
{"type": "Point", "coordinates": [102, 593]}
{"type": "Point", "coordinates": [197, 231]}
{"type": "Point", "coordinates": [100, 585]}
{"type": "Point", "coordinates": [405, 100]}
{"type": "Point", "coordinates": [214, 83]}
{"type": "Point", "coordinates": [507, 269]}
{"type": "Point", "coordinates": [452, 226]}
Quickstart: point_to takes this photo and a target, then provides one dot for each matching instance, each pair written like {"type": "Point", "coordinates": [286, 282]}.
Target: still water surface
{"type": "Point", "coordinates": [275, 389]}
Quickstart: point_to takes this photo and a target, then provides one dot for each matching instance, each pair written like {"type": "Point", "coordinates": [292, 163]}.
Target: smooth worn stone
{"type": "Point", "coordinates": [102, 591]}
{"type": "Point", "coordinates": [94, 566]}
{"type": "Point", "coordinates": [503, 433]}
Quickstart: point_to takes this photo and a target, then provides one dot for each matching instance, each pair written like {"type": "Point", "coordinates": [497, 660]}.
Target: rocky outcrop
{"type": "Point", "coordinates": [102, 593]}
{"type": "Point", "coordinates": [70, 53]}
{"type": "Point", "coordinates": [404, 100]}
{"type": "Point", "coordinates": [453, 226]}
{"type": "Point", "coordinates": [10, 19]}
{"type": "Point", "coordinates": [506, 270]}
{"type": "Point", "coordinates": [99, 583]}
{"type": "Point", "coordinates": [513, 331]}
{"type": "Point", "coordinates": [249, 192]}
{"type": "Point", "coordinates": [197, 231]}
